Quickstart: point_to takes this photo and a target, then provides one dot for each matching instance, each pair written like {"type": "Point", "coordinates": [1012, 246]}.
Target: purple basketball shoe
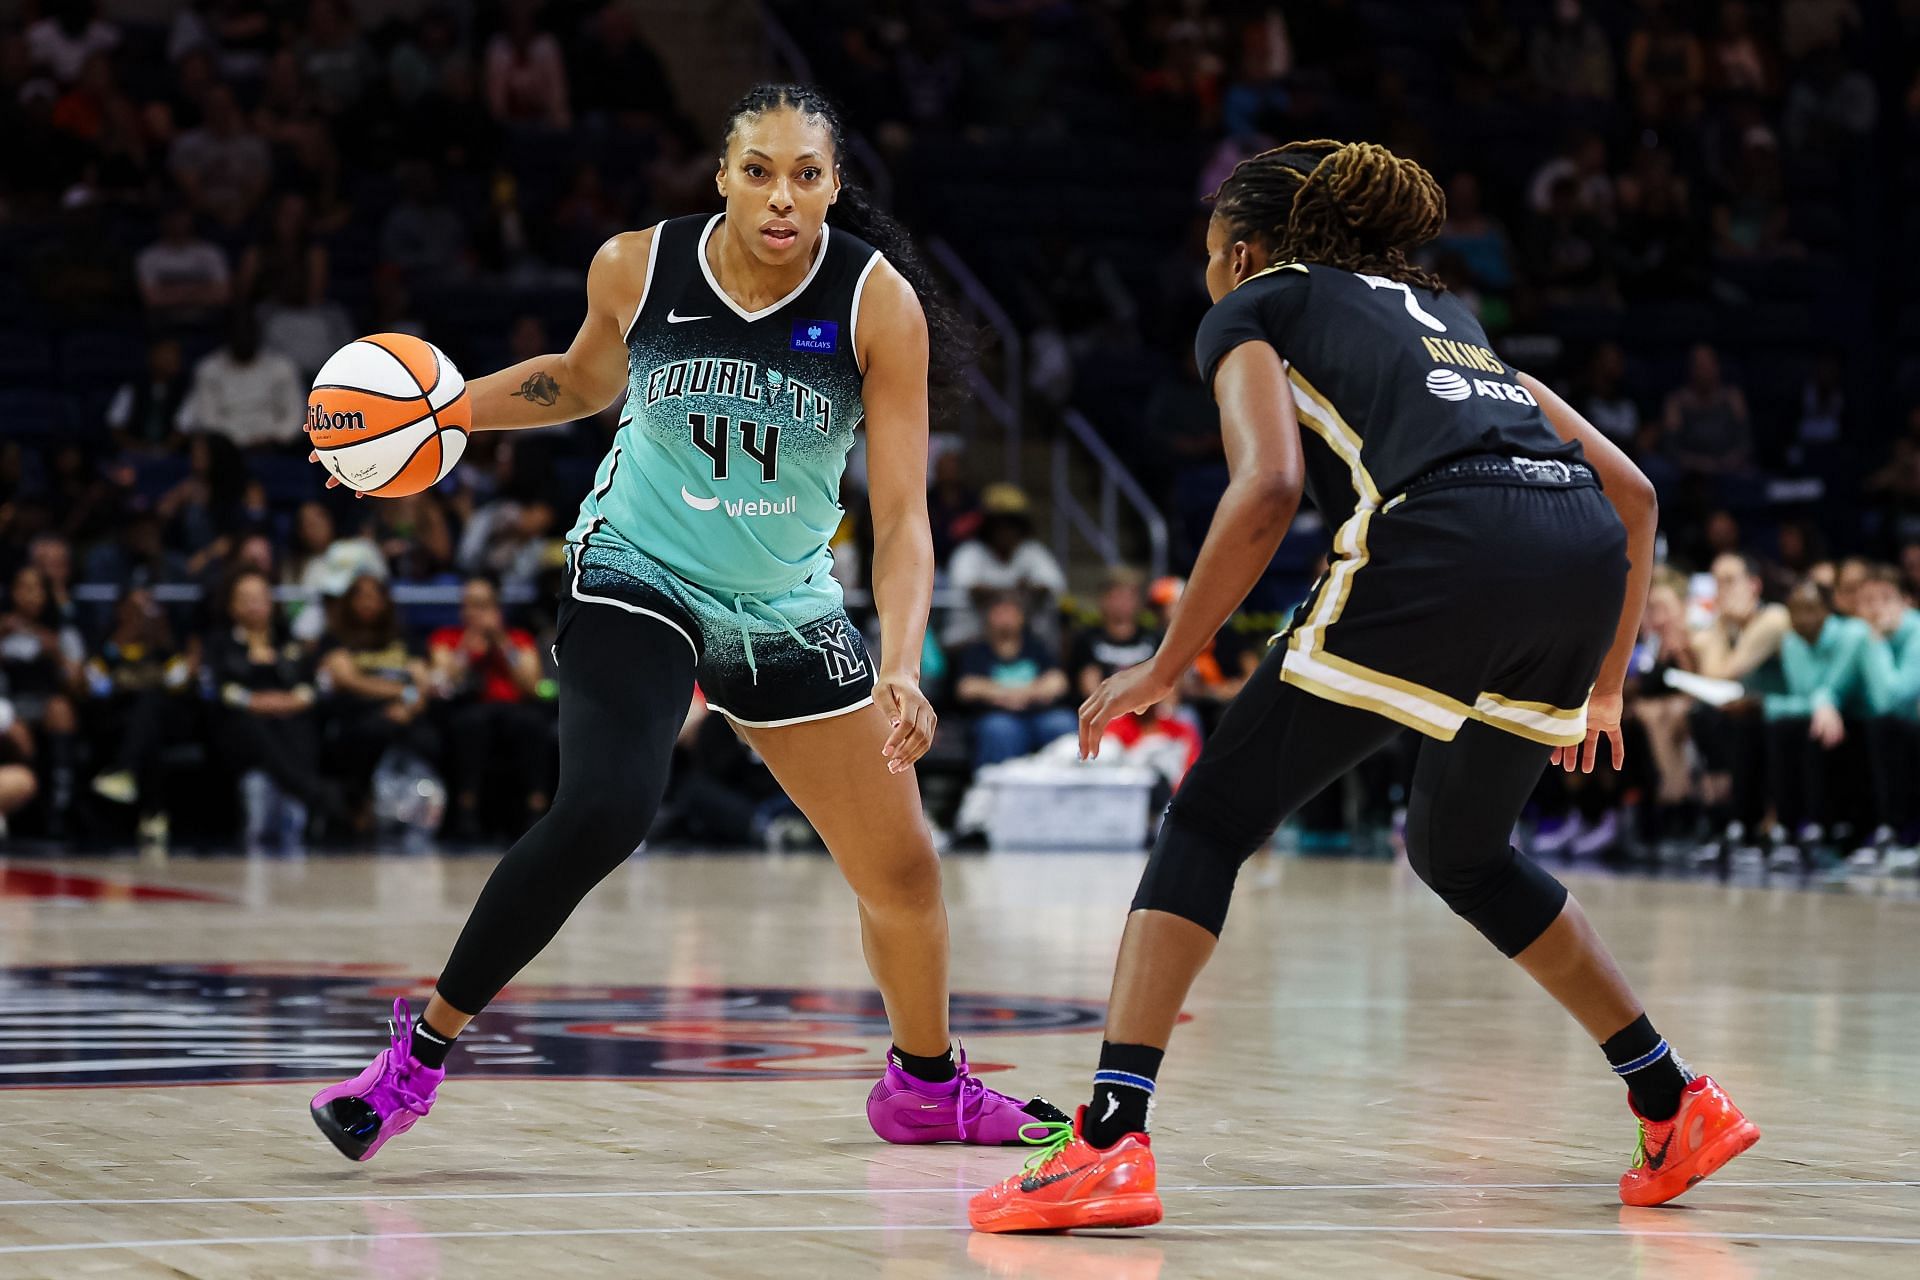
{"type": "Point", "coordinates": [382, 1102]}
{"type": "Point", "coordinates": [902, 1108]}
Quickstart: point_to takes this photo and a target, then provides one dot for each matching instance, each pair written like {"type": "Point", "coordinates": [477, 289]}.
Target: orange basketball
{"type": "Point", "coordinates": [389, 415]}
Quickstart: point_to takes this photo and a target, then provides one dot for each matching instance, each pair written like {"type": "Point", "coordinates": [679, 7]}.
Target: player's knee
{"type": "Point", "coordinates": [604, 824]}
{"type": "Point", "coordinates": [1494, 887]}
{"type": "Point", "coordinates": [907, 881]}
{"type": "Point", "coordinates": [1194, 864]}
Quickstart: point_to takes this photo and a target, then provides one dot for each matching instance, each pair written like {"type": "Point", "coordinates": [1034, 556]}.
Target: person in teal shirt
{"type": "Point", "coordinates": [1892, 673]}
{"type": "Point", "coordinates": [1823, 659]}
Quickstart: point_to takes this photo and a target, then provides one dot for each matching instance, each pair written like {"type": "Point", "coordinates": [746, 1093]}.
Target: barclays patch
{"type": "Point", "coordinates": [816, 335]}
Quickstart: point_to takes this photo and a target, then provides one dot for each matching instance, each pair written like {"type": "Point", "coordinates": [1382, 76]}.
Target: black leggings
{"type": "Point", "coordinates": [625, 682]}
{"type": "Point", "coordinates": [1277, 747]}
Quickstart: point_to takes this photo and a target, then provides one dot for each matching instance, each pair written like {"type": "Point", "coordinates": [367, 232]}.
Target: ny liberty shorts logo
{"type": "Point", "coordinates": [816, 335]}
{"type": "Point", "coordinates": [844, 651]}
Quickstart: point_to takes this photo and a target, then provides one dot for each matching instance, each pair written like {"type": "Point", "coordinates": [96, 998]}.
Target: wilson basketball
{"type": "Point", "coordinates": [389, 415]}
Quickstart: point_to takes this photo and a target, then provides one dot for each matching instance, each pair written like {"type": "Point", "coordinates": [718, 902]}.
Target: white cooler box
{"type": "Point", "coordinates": [1033, 804]}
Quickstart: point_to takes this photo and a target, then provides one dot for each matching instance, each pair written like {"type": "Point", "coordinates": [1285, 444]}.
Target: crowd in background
{"type": "Point", "coordinates": [1687, 215]}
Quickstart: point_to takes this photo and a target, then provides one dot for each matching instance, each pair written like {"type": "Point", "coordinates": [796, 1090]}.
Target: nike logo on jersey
{"type": "Point", "coordinates": [698, 504]}
{"type": "Point", "coordinates": [1033, 1183]}
{"type": "Point", "coordinates": [678, 319]}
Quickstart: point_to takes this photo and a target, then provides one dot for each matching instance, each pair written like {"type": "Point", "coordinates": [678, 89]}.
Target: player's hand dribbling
{"type": "Point", "coordinates": [1603, 721]}
{"type": "Point", "coordinates": [1119, 694]}
{"type": "Point", "coordinates": [333, 481]}
{"type": "Point", "coordinates": [912, 718]}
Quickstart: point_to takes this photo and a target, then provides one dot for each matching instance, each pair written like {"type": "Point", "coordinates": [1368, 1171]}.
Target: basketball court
{"type": "Point", "coordinates": [676, 1087]}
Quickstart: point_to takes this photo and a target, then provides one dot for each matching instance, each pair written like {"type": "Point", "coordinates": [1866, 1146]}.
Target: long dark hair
{"type": "Point", "coordinates": [951, 342]}
{"type": "Point", "coordinates": [1352, 205]}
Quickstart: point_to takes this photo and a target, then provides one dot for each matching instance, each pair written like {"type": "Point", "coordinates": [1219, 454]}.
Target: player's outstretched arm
{"type": "Point", "coordinates": [893, 348]}
{"type": "Point", "coordinates": [1262, 439]}
{"type": "Point", "coordinates": [585, 378]}
{"type": "Point", "coordinates": [1632, 496]}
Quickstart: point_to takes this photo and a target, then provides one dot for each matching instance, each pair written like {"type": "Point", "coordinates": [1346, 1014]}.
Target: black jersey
{"type": "Point", "coordinates": [1390, 380]}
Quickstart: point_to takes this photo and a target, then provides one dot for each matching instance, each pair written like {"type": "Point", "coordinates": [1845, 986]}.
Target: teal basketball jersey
{"type": "Point", "coordinates": [726, 467]}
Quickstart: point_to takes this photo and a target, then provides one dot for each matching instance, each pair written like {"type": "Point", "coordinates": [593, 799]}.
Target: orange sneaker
{"type": "Point", "coordinates": [1705, 1133]}
{"type": "Point", "coordinates": [1069, 1184]}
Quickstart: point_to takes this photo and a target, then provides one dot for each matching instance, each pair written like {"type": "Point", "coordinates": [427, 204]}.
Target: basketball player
{"type": "Point", "coordinates": [749, 346]}
{"type": "Point", "coordinates": [1483, 592]}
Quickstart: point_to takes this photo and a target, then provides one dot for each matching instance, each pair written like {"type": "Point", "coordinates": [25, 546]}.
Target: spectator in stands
{"type": "Point", "coordinates": [1831, 105]}
{"type": "Point", "coordinates": [52, 554]}
{"type": "Point", "coordinates": [415, 536]}
{"type": "Point", "coordinates": [1477, 237]}
{"type": "Point", "coordinates": [140, 697]}
{"type": "Point", "coordinates": [526, 73]}
{"type": "Point", "coordinates": [1604, 399]}
{"type": "Point", "coordinates": [1899, 476]}
{"type": "Point", "coordinates": [1005, 557]}
{"type": "Point", "coordinates": [1570, 57]}
{"type": "Point", "coordinates": [246, 395]}
{"type": "Point", "coordinates": [953, 504]}
{"type": "Point", "coordinates": [18, 785]}
{"type": "Point", "coordinates": [1664, 56]}
{"type": "Point", "coordinates": [68, 34]}
{"type": "Point", "coordinates": [1489, 53]}
{"type": "Point", "coordinates": [1751, 222]}
{"type": "Point", "coordinates": [619, 76]}
{"type": "Point", "coordinates": [489, 677]}
{"type": "Point", "coordinates": [183, 278]}
{"type": "Point", "coordinates": [1707, 431]}
{"type": "Point", "coordinates": [1658, 244]}
{"type": "Point", "coordinates": [375, 688]}
{"type": "Point", "coordinates": [40, 653]}
{"type": "Point", "coordinates": [1118, 640]}
{"type": "Point", "coordinates": [323, 565]}
{"type": "Point", "coordinates": [1163, 737]}
{"type": "Point", "coordinates": [334, 61]}
{"type": "Point", "coordinates": [1810, 25]}
{"type": "Point", "coordinates": [144, 409]}
{"type": "Point", "coordinates": [1569, 261]}
{"type": "Point", "coordinates": [1737, 60]}
{"type": "Point", "coordinates": [422, 236]}
{"type": "Point", "coordinates": [222, 165]}
{"type": "Point", "coordinates": [265, 684]}
{"type": "Point", "coordinates": [1822, 658]}
{"type": "Point", "coordinates": [1892, 676]}
{"type": "Point", "coordinates": [1013, 684]}
{"type": "Point", "coordinates": [292, 261]}
{"type": "Point", "coordinates": [1663, 713]}
{"type": "Point", "coordinates": [1581, 164]}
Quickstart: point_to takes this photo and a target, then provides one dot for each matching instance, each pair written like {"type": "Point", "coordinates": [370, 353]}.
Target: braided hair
{"type": "Point", "coordinates": [950, 341]}
{"type": "Point", "coordinates": [1351, 205]}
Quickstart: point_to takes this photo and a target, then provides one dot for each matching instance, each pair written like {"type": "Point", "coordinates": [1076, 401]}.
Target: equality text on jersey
{"type": "Point", "coordinates": [742, 380]}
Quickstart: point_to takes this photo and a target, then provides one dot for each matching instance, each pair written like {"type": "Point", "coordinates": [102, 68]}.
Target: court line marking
{"type": "Point", "coordinates": [1303, 1228]}
{"type": "Point", "coordinates": [752, 1192]}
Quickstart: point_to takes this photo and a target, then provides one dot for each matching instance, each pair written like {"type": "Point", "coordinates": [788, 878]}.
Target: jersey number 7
{"type": "Point", "coordinates": [761, 443]}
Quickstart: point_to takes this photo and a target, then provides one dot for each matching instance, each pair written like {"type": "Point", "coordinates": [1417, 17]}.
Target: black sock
{"type": "Point", "coordinates": [933, 1070]}
{"type": "Point", "coordinates": [429, 1047]}
{"type": "Point", "coordinates": [1654, 1073]}
{"type": "Point", "coordinates": [1122, 1092]}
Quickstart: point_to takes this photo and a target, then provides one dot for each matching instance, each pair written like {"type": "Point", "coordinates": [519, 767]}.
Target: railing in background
{"type": "Point", "coordinates": [982, 310]}
{"type": "Point", "coordinates": [1114, 484]}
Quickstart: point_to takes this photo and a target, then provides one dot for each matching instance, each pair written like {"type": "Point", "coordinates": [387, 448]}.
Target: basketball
{"type": "Point", "coordinates": [389, 415]}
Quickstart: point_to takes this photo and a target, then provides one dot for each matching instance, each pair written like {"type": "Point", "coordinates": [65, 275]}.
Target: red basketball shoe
{"type": "Point", "coordinates": [1705, 1133]}
{"type": "Point", "coordinates": [1069, 1184]}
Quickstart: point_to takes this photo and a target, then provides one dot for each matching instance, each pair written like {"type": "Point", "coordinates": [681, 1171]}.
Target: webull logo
{"type": "Point", "coordinates": [746, 507]}
{"type": "Point", "coordinates": [318, 419]}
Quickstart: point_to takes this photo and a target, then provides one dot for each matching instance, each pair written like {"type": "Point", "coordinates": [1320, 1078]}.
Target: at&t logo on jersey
{"type": "Point", "coordinates": [1448, 385]}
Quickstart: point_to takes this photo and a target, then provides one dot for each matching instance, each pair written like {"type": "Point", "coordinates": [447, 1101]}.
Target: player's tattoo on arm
{"type": "Point", "coordinates": [540, 388]}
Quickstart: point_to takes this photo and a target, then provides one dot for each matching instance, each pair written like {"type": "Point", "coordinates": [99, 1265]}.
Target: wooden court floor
{"type": "Point", "coordinates": [1364, 1088]}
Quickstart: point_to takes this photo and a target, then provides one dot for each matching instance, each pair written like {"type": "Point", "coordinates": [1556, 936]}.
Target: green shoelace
{"type": "Point", "coordinates": [1053, 1140]}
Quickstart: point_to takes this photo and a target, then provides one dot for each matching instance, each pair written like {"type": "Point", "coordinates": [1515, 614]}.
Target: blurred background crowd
{"type": "Point", "coordinates": [1693, 217]}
